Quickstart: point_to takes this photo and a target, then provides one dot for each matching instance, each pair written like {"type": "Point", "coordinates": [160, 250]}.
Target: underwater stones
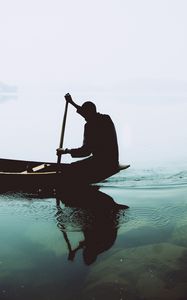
{"type": "Point", "coordinates": [179, 236]}
{"type": "Point", "coordinates": [143, 270]}
{"type": "Point", "coordinates": [110, 291]}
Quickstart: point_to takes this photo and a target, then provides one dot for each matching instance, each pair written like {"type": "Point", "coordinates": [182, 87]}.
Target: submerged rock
{"type": "Point", "coordinates": [143, 272]}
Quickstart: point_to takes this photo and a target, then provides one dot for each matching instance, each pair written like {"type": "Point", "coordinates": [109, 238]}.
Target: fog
{"type": "Point", "coordinates": [129, 57]}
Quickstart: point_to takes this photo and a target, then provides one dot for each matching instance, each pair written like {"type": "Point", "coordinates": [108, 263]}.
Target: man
{"type": "Point", "coordinates": [100, 144]}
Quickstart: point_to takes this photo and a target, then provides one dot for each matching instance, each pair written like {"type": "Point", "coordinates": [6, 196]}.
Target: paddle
{"type": "Point", "coordinates": [63, 130]}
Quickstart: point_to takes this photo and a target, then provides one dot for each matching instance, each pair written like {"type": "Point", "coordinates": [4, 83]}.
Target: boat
{"type": "Point", "coordinates": [35, 176]}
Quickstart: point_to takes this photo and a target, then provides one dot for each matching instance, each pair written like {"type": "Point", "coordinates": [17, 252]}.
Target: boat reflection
{"type": "Point", "coordinates": [96, 214]}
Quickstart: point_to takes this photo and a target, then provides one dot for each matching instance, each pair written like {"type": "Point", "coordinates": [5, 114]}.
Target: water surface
{"type": "Point", "coordinates": [61, 252]}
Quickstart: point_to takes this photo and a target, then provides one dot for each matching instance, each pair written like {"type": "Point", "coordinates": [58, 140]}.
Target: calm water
{"type": "Point", "coordinates": [51, 252]}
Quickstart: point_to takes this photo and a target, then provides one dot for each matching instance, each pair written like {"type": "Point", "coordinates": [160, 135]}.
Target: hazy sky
{"type": "Point", "coordinates": [92, 42]}
{"type": "Point", "coordinates": [129, 56]}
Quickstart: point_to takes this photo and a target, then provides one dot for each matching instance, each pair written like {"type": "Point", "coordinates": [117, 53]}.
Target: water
{"type": "Point", "coordinates": [61, 252]}
{"type": "Point", "coordinates": [160, 177]}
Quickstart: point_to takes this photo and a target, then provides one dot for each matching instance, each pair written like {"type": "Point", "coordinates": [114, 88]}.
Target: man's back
{"type": "Point", "coordinates": [100, 137]}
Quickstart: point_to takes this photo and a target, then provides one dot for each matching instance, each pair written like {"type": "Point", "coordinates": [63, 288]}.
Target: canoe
{"type": "Point", "coordinates": [33, 176]}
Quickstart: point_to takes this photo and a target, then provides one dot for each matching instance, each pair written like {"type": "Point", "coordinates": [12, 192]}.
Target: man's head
{"type": "Point", "coordinates": [87, 110]}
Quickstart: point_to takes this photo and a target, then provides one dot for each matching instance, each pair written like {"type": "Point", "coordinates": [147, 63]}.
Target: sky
{"type": "Point", "coordinates": [127, 56]}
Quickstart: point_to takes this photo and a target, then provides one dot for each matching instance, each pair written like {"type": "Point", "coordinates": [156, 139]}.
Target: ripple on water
{"type": "Point", "coordinates": [20, 206]}
{"type": "Point", "coordinates": [164, 216]}
{"type": "Point", "coordinates": [157, 178]}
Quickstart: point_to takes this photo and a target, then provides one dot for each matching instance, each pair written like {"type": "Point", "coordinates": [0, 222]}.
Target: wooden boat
{"type": "Point", "coordinates": [34, 176]}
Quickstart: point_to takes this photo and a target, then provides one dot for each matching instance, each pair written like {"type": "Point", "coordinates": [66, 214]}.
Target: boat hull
{"type": "Point", "coordinates": [18, 175]}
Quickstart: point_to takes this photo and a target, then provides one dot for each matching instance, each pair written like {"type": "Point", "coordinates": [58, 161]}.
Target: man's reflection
{"type": "Point", "coordinates": [100, 225]}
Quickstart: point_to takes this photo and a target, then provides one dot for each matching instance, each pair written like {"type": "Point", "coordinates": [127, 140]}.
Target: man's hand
{"type": "Point", "coordinates": [68, 98]}
{"type": "Point", "coordinates": [60, 151]}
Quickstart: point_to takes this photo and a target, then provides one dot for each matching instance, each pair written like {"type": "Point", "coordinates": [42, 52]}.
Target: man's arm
{"type": "Point", "coordinates": [77, 152]}
{"type": "Point", "coordinates": [83, 151]}
{"type": "Point", "coordinates": [80, 152]}
{"type": "Point", "coordinates": [70, 100]}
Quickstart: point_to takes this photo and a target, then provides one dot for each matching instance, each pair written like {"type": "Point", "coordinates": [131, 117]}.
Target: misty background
{"type": "Point", "coordinates": [128, 57]}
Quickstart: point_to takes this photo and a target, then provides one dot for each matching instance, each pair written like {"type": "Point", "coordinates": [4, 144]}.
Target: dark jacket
{"type": "Point", "coordinates": [100, 140]}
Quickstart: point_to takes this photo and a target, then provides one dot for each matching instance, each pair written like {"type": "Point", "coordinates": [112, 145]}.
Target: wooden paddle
{"type": "Point", "coordinates": [63, 130]}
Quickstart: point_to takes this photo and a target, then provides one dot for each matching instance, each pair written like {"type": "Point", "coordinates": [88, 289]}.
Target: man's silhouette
{"type": "Point", "coordinates": [100, 144]}
{"type": "Point", "coordinates": [99, 222]}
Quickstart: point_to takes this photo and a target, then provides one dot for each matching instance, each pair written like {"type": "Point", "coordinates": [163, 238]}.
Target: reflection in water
{"type": "Point", "coordinates": [147, 260]}
{"type": "Point", "coordinates": [98, 215]}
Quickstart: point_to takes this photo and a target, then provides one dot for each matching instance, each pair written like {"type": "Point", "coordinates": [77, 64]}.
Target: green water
{"type": "Point", "coordinates": [139, 253]}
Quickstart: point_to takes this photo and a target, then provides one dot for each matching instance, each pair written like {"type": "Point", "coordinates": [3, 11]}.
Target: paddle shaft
{"type": "Point", "coordinates": [63, 131]}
